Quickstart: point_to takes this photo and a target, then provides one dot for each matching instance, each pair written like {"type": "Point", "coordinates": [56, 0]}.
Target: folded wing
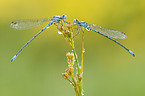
{"type": "Point", "coordinates": [109, 32]}
{"type": "Point", "coordinates": [28, 24]}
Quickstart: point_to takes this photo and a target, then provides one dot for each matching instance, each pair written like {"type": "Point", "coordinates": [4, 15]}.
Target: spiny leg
{"type": "Point", "coordinates": [78, 28]}
{"type": "Point", "coordinates": [82, 30]}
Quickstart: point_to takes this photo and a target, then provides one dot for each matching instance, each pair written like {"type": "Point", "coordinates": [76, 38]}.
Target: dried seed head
{"type": "Point", "coordinates": [79, 77]}
{"type": "Point", "coordinates": [70, 71]}
{"type": "Point", "coordinates": [70, 58]}
{"type": "Point", "coordinates": [65, 76]}
{"type": "Point", "coordinates": [67, 33]}
{"type": "Point", "coordinates": [69, 25]}
{"type": "Point", "coordinates": [60, 28]}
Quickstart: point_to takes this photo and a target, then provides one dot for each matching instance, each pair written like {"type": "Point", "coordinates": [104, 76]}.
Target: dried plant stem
{"type": "Point", "coordinates": [81, 69]}
{"type": "Point", "coordinates": [75, 87]}
{"type": "Point", "coordinates": [75, 78]}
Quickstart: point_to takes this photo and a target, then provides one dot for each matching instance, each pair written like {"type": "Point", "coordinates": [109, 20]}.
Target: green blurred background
{"type": "Point", "coordinates": [109, 70]}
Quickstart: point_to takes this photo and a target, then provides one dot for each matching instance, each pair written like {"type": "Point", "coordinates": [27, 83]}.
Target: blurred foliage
{"type": "Point", "coordinates": [108, 69]}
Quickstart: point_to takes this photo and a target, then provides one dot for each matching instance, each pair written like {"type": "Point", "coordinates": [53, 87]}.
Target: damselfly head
{"type": "Point", "coordinates": [76, 20]}
{"type": "Point", "coordinates": [64, 16]}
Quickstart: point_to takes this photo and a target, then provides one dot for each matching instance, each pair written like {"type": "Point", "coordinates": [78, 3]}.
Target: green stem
{"type": "Point", "coordinates": [71, 82]}
{"type": "Point", "coordinates": [77, 87]}
{"type": "Point", "coordinates": [75, 55]}
{"type": "Point", "coordinates": [74, 81]}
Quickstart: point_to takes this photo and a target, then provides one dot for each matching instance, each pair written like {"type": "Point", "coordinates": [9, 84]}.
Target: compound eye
{"type": "Point", "coordinates": [13, 22]}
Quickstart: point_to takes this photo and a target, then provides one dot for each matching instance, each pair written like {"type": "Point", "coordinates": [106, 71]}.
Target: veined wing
{"type": "Point", "coordinates": [109, 32]}
{"type": "Point", "coordinates": [28, 24]}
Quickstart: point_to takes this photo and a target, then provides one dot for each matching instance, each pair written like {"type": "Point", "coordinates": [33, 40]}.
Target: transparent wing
{"type": "Point", "coordinates": [109, 32]}
{"type": "Point", "coordinates": [28, 24]}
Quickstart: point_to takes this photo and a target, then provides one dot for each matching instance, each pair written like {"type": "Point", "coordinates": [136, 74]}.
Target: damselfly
{"type": "Point", "coordinates": [27, 24]}
{"type": "Point", "coordinates": [108, 33]}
